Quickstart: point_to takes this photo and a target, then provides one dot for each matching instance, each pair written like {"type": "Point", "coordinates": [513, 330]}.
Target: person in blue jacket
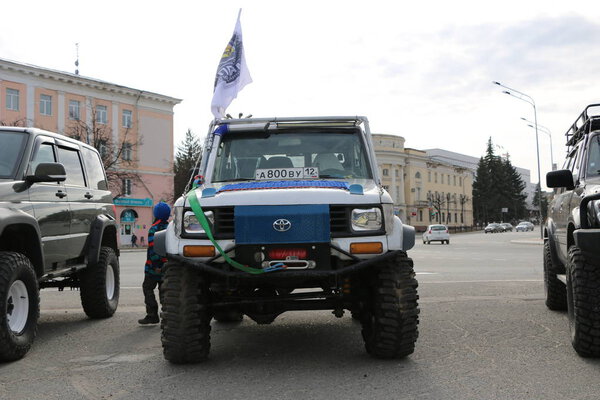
{"type": "Point", "coordinates": [153, 269]}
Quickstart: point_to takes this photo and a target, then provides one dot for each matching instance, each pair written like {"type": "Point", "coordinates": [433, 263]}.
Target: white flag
{"type": "Point", "coordinates": [232, 73]}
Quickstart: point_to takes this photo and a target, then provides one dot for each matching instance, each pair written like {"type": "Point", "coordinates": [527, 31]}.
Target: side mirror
{"type": "Point", "coordinates": [563, 178]}
{"type": "Point", "coordinates": [48, 172]}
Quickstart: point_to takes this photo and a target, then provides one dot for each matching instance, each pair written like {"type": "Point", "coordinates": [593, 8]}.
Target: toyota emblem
{"type": "Point", "coordinates": [282, 225]}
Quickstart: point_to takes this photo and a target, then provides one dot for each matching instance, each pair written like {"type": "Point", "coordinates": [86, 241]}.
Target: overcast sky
{"type": "Point", "coordinates": [422, 71]}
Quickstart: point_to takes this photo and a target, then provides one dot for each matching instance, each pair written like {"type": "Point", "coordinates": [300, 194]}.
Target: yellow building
{"type": "Point", "coordinates": [424, 191]}
{"type": "Point", "coordinates": [63, 102]}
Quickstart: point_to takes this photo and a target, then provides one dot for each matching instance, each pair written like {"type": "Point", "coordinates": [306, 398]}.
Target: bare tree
{"type": "Point", "coordinates": [437, 201]}
{"type": "Point", "coordinates": [22, 122]}
{"type": "Point", "coordinates": [463, 199]}
{"type": "Point", "coordinates": [116, 151]}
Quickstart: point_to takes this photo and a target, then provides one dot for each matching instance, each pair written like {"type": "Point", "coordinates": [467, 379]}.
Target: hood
{"type": "Point", "coordinates": [289, 194]}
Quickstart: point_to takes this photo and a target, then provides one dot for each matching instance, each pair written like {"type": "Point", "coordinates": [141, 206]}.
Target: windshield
{"type": "Point", "coordinates": [438, 228]}
{"type": "Point", "coordinates": [11, 148]}
{"type": "Point", "coordinates": [304, 154]}
{"type": "Point", "coordinates": [593, 165]}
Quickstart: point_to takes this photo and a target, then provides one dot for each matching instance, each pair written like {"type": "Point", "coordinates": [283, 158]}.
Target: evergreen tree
{"type": "Point", "coordinates": [188, 153]}
{"type": "Point", "coordinates": [497, 185]}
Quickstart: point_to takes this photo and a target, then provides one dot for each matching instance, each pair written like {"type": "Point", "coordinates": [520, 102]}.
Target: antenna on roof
{"type": "Point", "coordinates": [77, 60]}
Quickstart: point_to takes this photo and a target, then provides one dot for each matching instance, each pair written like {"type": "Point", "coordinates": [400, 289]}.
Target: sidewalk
{"type": "Point", "coordinates": [129, 248]}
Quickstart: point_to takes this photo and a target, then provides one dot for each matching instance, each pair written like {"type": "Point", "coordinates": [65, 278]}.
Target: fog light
{"type": "Point", "coordinates": [199, 251]}
{"type": "Point", "coordinates": [366, 248]}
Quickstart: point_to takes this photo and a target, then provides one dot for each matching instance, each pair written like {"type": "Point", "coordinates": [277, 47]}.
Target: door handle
{"type": "Point", "coordinates": [60, 194]}
{"type": "Point", "coordinates": [88, 195]}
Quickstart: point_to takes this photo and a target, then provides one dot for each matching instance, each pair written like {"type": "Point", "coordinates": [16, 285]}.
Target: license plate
{"type": "Point", "coordinates": [286, 173]}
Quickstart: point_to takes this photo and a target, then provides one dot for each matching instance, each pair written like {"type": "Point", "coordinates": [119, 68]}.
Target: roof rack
{"type": "Point", "coordinates": [583, 125]}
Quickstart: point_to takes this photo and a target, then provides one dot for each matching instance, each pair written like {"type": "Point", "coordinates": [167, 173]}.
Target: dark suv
{"type": "Point", "coordinates": [572, 235]}
{"type": "Point", "coordinates": [57, 229]}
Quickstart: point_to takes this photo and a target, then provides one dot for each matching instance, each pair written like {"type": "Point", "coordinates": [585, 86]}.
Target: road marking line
{"type": "Point", "coordinates": [426, 273]}
{"type": "Point", "coordinates": [487, 281]}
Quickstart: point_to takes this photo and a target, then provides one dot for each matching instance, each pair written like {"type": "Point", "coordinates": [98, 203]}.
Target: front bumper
{"type": "Point", "coordinates": [587, 240]}
{"type": "Point", "coordinates": [225, 271]}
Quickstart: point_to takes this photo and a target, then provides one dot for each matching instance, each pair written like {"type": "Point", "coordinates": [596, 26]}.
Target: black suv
{"type": "Point", "coordinates": [57, 229]}
{"type": "Point", "coordinates": [572, 235]}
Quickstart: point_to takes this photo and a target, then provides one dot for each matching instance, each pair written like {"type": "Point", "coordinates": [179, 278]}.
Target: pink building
{"type": "Point", "coordinates": [58, 101]}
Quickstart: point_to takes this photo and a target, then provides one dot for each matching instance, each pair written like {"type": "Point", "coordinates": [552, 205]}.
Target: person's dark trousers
{"type": "Point", "coordinates": [148, 287]}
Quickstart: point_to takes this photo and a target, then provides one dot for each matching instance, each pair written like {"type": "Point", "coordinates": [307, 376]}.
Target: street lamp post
{"type": "Point", "coordinates": [547, 132]}
{"type": "Point", "coordinates": [528, 99]}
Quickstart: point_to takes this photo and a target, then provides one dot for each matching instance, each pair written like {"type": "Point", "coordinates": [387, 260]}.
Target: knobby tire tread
{"type": "Point", "coordinates": [93, 286]}
{"type": "Point", "coordinates": [185, 317]}
{"type": "Point", "coordinates": [390, 329]}
{"type": "Point", "coordinates": [14, 347]}
{"type": "Point", "coordinates": [556, 291]}
{"type": "Point", "coordinates": [585, 303]}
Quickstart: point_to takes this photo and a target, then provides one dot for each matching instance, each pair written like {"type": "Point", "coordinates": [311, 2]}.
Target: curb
{"type": "Point", "coordinates": [538, 242]}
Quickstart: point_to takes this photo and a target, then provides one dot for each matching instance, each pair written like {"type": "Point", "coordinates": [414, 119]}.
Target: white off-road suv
{"type": "Point", "coordinates": [287, 214]}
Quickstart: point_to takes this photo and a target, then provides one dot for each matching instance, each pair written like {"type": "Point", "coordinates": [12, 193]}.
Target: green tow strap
{"type": "Point", "coordinates": [197, 209]}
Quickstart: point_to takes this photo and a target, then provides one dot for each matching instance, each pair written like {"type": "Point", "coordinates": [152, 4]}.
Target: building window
{"type": "Point", "coordinates": [418, 175]}
{"type": "Point", "coordinates": [460, 180]}
{"type": "Point", "coordinates": [435, 177]}
{"type": "Point", "coordinates": [127, 151]}
{"type": "Point", "coordinates": [443, 216]}
{"type": "Point", "coordinates": [421, 215]}
{"type": "Point", "coordinates": [461, 218]}
{"type": "Point", "coordinates": [45, 104]}
{"type": "Point", "coordinates": [455, 219]}
{"type": "Point", "coordinates": [12, 99]}
{"type": "Point", "coordinates": [429, 176]}
{"type": "Point", "coordinates": [74, 110]}
{"type": "Point", "coordinates": [101, 115]}
{"type": "Point", "coordinates": [386, 172]}
{"type": "Point", "coordinates": [103, 149]}
{"type": "Point", "coordinates": [127, 118]}
{"type": "Point", "coordinates": [442, 176]}
{"type": "Point", "coordinates": [454, 180]}
{"type": "Point", "coordinates": [126, 187]}
{"type": "Point", "coordinates": [397, 173]}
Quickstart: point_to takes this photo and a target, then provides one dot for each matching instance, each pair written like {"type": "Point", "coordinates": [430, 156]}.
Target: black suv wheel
{"type": "Point", "coordinates": [19, 305]}
{"type": "Point", "coordinates": [185, 315]}
{"type": "Point", "coordinates": [556, 293]}
{"type": "Point", "coordinates": [391, 313]}
{"type": "Point", "coordinates": [100, 285]}
{"type": "Point", "coordinates": [583, 300]}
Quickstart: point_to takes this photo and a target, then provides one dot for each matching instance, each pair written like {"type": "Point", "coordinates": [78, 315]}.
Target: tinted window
{"type": "Point", "coordinates": [94, 170]}
{"type": "Point", "coordinates": [44, 154]}
{"type": "Point", "coordinates": [11, 148]}
{"type": "Point", "coordinates": [438, 228]}
{"type": "Point", "coordinates": [70, 159]}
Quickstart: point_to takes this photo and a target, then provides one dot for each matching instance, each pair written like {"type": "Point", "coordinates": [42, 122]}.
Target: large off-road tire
{"type": "Point", "coordinates": [185, 315]}
{"type": "Point", "coordinates": [391, 313]}
{"type": "Point", "coordinates": [100, 285]}
{"type": "Point", "coordinates": [556, 292]}
{"type": "Point", "coordinates": [583, 301]}
{"type": "Point", "coordinates": [19, 305]}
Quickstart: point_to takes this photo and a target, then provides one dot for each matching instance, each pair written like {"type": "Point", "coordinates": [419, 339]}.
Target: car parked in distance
{"type": "Point", "coordinates": [524, 226]}
{"type": "Point", "coordinates": [507, 227]}
{"type": "Point", "coordinates": [493, 228]}
{"type": "Point", "coordinates": [436, 233]}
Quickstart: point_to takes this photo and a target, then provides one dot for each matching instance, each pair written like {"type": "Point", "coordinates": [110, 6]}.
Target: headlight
{"type": "Point", "coordinates": [366, 219]}
{"type": "Point", "coordinates": [177, 215]}
{"type": "Point", "coordinates": [192, 226]}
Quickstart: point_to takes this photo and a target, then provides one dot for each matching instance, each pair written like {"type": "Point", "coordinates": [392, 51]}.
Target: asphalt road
{"type": "Point", "coordinates": [484, 334]}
